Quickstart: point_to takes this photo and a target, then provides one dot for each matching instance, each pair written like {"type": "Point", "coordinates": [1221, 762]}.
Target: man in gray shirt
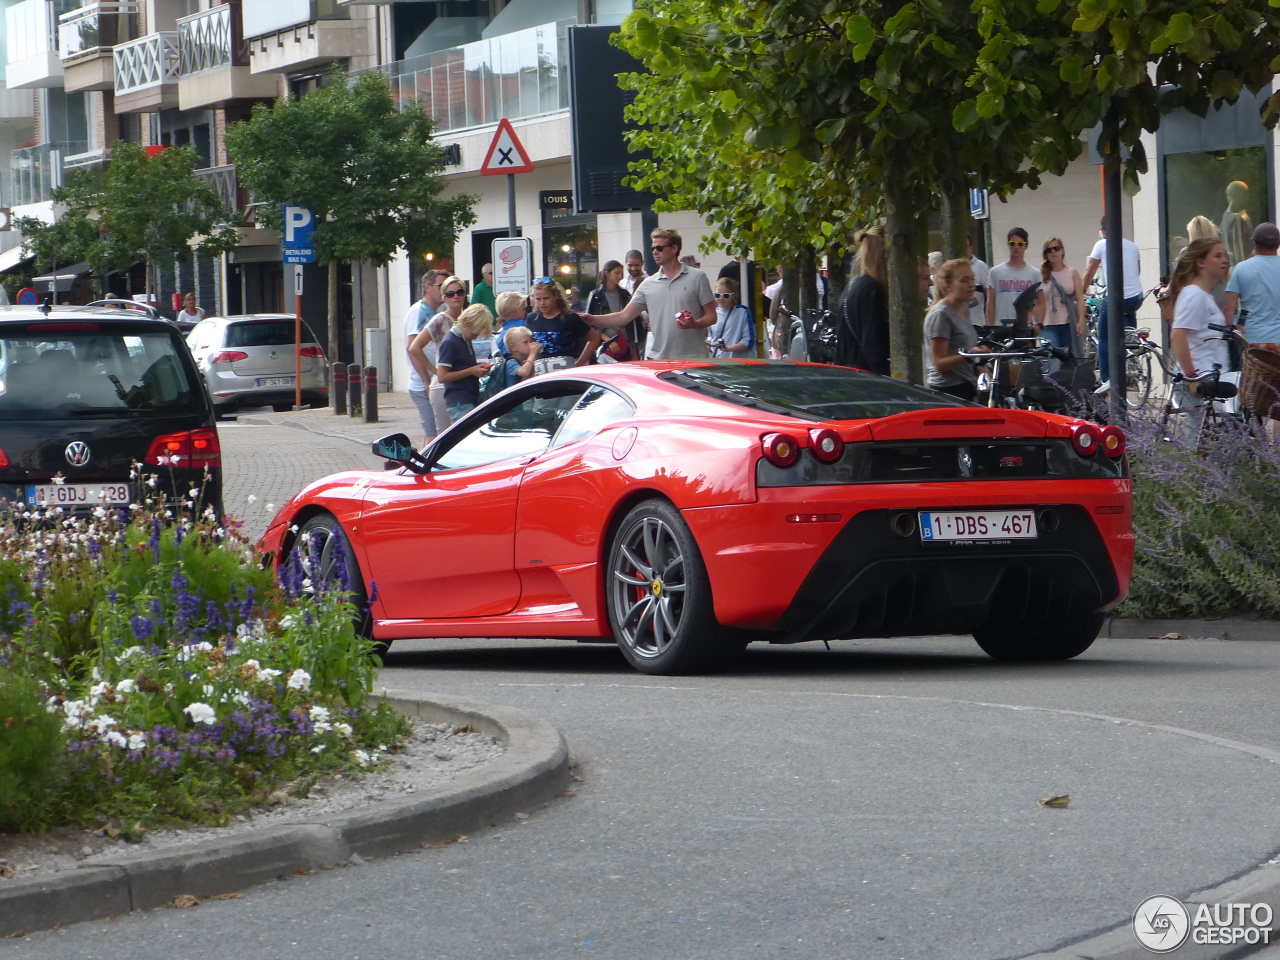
{"type": "Point", "coordinates": [676, 287]}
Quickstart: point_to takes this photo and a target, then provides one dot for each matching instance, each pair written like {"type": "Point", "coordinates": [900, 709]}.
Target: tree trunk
{"type": "Point", "coordinates": [955, 223]}
{"type": "Point", "coordinates": [837, 277]}
{"type": "Point", "coordinates": [906, 330]}
{"type": "Point", "coordinates": [334, 347]}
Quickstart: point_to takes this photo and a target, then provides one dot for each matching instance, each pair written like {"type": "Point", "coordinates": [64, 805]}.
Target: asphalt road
{"type": "Point", "coordinates": [877, 800]}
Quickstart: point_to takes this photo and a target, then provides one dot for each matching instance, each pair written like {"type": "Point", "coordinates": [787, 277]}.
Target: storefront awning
{"type": "Point", "coordinates": [11, 258]}
{"type": "Point", "coordinates": [60, 281]}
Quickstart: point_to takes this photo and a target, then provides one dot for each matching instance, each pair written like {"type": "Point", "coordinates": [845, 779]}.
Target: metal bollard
{"type": "Point", "coordinates": [353, 387]}
{"type": "Point", "coordinates": [370, 394]}
{"type": "Point", "coordinates": [338, 389]}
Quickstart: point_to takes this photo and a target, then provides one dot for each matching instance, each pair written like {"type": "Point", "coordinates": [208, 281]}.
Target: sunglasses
{"type": "Point", "coordinates": [545, 280]}
{"type": "Point", "coordinates": [1017, 243]}
{"type": "Point", "coordinates": [1054, 249]}
{"type": "Point", "coordinates": [456, 293]}
{"type": "Point", "coordinates": [724, 296]}
{"type": "Point", "coordinates": [660, 246]}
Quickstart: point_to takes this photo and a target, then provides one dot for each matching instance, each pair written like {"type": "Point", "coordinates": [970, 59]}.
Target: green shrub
{"type": "Point", "coordinates": [31, 744]}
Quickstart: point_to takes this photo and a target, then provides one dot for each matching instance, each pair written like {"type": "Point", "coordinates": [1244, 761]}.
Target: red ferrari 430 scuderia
{"type": "Point", "coordinates": [686, 508]}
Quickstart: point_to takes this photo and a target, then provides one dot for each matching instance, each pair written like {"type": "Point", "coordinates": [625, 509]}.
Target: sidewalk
{"type": "Point", "coordinates": [396, 414]}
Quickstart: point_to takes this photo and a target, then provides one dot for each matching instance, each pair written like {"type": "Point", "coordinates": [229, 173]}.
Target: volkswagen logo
{"type": "Point", "coordinates": [77, 453]}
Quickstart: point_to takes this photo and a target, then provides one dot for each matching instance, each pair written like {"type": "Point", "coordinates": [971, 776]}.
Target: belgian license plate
{"type": "Point", "coordinates": [275, 381]}
{"type": "Point", "coordinates": [76, 494]}
{"type": "Point", "coordinates": [979, 525]}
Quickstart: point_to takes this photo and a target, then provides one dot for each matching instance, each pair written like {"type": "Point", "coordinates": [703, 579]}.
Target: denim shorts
{"type": "Point", "coordinates": [459, 410]}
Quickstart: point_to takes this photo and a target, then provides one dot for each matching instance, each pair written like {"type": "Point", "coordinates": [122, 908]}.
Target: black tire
{"type": "Point", "coordinates": [659, 598]}
{"type": "Point", "coordinates": [320, 543]}
{"type": "Point", "coordinates": [1070, 639]}
{"type": "Point", "coordinates": [1138, 380]}
{"type": "Point", "coordinates": [282, 407]}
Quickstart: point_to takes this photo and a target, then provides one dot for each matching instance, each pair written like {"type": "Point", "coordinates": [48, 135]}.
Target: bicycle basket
{"type": "Point", "coordinates": [1260, 383]}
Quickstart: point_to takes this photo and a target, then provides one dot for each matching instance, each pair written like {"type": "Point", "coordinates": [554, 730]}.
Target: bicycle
{"type": "Point", "coordinates": [1201, 410]}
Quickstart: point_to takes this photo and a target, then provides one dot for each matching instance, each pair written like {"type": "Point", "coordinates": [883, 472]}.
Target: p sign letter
{"type": "Point", "coordinates": [299, 224]}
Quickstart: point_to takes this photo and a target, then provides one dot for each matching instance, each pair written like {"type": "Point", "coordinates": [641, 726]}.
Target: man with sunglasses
{"type": "Point", "coordinates": [1009, 280]}
{"type": "Point", "coordinates": [675, 289]}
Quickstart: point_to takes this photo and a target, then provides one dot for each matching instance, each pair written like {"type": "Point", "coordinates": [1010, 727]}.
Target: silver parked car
{"type": "Point", "coordinates": [249, 361]}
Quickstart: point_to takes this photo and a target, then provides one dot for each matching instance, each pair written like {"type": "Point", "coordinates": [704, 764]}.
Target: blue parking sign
{"type": "Point", "coordinates": [298, 227]}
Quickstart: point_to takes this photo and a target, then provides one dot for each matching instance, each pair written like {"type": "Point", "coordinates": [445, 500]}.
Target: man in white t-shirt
{"type": "Point", "coordinates": [981, 280]}
{"type": "Point", "coordinates": [1009, 280]}
{"type": "Point", "coordinates": [1132, 294]}
{"type": "Point", "coordinates": [675, 288]}
{"type": "Point", "coordinates": [420, 377]}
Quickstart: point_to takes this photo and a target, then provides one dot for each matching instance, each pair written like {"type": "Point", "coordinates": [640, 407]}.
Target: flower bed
{"type": "Point", "coordinates": [154, 672]}
{"type": "Point", "coordinates": [1207, 525]}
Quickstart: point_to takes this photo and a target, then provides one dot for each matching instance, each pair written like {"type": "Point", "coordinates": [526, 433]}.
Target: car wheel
{"type": "Point", "coordinates": [659, 597]}
{"type": "Point", "coordinates": [325, 553]}
{"type": "Point", "coordinates": [1062, 642]}
{"type": "Point", "coordinates": [282, 407]}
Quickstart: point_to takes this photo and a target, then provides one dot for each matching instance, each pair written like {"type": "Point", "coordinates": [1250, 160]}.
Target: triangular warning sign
{"type": "Point", "coordinates": [506, 154]}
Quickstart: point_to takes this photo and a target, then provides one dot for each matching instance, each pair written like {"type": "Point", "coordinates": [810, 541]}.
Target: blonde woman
{"type": "Point", "coordinates": [862, 336]}
{"type": "Point", "coordinates": [427, 343]}
{"type": "Point", "coordinates": [947, 331]}
{"type": "Point", "coordinates": [456, 364]}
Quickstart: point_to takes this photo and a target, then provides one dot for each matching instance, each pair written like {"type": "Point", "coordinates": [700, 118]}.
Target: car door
{"type": "Point", "coordinates": [441, 545]}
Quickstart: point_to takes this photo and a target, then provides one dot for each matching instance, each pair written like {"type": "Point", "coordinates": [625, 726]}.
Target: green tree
{"type": "Point", "coordinates": [139, 206]}
{"type": "Point", "coordinates": [368, 168]}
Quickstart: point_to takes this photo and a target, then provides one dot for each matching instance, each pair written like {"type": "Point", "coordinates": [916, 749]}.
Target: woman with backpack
{"type": "Point", "coordinates": [1057, 308]}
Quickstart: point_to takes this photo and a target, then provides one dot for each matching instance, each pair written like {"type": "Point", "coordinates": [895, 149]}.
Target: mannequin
{"type": "Point", "coordinates": [1236, 227]}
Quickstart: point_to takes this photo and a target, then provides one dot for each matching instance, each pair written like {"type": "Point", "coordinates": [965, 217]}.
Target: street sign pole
{"type": "Point", "coordinates": [511, 204]}
{"type": "Point", "coordinates": [297, 336]}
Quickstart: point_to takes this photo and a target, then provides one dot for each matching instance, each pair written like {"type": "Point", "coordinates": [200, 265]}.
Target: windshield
{"type": "Point", "coordinates": [810, 392]}
{"type": "Point", "coordinates": [60, 375]}
{"type": "Point", "coordinates": [265, 333]}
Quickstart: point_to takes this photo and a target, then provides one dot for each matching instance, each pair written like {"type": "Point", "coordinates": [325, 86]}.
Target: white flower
{"type": "Point", "coordinates": [299, 680]}
{"type": "Point", "coordinates": [185, 653]}
{"type": "Point", "coordinates": [193, 493]}
{"type": "Point", "coordinates": [208, 690]}
{"type": "Point", "coordinates": [252, 663]}
{"type": "Point", "coordinates": [319, 714]}
{"type": "Point", "coordinates": [128, 652]}
{"type": "Point", "coordinates": [318, 749]}
{"type": "Point", "coordinates": [100, 725]}
{"type": "Point", "coordinates": [59, 479]}
{"type": "Point", "coordinates": [252, 499]}
{"type": "Point", "coordinates": [364, 757]}
{"type": "Point", "coordinates": [152, 480]}
{"type": "Point", "coordinates": [137, 741]}
{"type": "Point", "coordinates": [200, 713]}
{"type": "Point", "coordinates": [100, 512]}
{"type": "Point", "coordinates": [270, 508]}
{"type": "Point", "coordinates": [288, 621]}
{"type": "Point", "coordinates": [343, 728]}
{"type": "Point", "coordinates": [266, 674]}
{"type": "Point", "coordinates": [126, 686]}
{"type": "Point", "coordinates": [116, 739]}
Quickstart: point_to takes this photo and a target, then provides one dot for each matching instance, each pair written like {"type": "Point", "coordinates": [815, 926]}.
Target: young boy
{"type": "Point", "coordinates": [523, 350]}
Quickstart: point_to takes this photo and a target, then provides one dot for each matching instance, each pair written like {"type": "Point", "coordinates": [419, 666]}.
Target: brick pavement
{"type": "Point", "coordinates": [272, 456]}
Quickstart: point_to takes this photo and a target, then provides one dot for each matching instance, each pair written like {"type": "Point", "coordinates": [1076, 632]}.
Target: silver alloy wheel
{"type": "Point", "coordinates": [647, 587]}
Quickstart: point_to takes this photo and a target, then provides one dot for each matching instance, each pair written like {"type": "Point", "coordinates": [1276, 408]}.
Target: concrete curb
{"type": "Point", "coordinates": [534, 768]}
{"type": "Point", "coordinates": [1228, 628]}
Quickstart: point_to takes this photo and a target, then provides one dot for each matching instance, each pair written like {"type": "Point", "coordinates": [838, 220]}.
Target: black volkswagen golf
{"type": "Point", "coordinates": [85, 395]}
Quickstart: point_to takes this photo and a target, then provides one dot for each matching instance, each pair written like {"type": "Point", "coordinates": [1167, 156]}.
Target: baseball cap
{"type": "Point", "coordinates": [1266, 235]}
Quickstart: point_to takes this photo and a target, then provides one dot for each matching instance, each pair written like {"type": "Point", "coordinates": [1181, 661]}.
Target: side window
{"type": "Point", "coordinates": [199, 337]}
{"type": "Point", "coordinates": [524, 429]}
{"type": "Point", "coordinates": [596, 410]}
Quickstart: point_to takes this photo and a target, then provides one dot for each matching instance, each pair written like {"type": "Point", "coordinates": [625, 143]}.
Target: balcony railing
{"type": "Point", "coordinates": [146, 62]}
{"type": "Point", "coordinates": [206, 41]}
{"type": "Point", "coordinates": [36, 171]}
{"type": "Point", "coordinates": [92, 27]}
{"type": "Point", "coordinates": [517, 75]}
{"type": "Point", "coordinates": [31, 28]}
{"type": "Point", "coordinates": [225, 182]}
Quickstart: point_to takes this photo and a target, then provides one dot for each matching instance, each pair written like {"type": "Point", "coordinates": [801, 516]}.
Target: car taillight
{"type": "Point", "coordinates": [825, 445]}
{"type": "Point", "coordinates": [230, 356]}
{"type": "Point", "coordinates": [4, 461]}
{"type": "Point", "coordinates": [1113, 442]}
{"type": "Point", "coordinates": [781, 449]}
{"type": "Point", "coordinates": [1086, 438]}
{"type": "Point", "coordinates": [190, 449]}
{"type": "Point", "coordinates": [312, 352]}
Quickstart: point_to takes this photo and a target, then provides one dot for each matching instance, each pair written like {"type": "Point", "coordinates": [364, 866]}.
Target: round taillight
{"type": "Point", "coordinates": [825, 445]}
{"type": "Point", "coordinates": [781, 449]}
{"type": "Point", "coordinates": [1113, 442]}
{"type": "Point", "coordinates": [1086, 438]}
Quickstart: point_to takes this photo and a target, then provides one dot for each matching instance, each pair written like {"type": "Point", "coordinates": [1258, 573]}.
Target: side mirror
{"type": "Point", "coordinates": [398, 449]}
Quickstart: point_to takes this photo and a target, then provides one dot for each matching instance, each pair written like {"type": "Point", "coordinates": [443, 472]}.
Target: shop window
{"type": "Point", "coordinates": [1231, 188]}
{"type": "Point", "coordinates": [570, 254]}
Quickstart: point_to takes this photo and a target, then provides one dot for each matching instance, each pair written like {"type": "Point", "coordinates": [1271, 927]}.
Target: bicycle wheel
{"type": "Point", "coordinates": [1137, 368]}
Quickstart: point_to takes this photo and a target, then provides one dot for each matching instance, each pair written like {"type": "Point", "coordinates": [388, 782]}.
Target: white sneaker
{"type": "Point", "coordinates": [1104, 389]}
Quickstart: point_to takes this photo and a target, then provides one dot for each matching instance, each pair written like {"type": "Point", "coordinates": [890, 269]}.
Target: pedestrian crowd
{"type": "Point", "coordinates": [459, 353]}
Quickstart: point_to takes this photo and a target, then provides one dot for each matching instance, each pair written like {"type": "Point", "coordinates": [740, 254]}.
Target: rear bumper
{"type": "Point", "coordinates": [857, 577]}
{"type": "Point", "coordinates": [263, 396]}
{"type": "Point", "coordinates": [172, 487]}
